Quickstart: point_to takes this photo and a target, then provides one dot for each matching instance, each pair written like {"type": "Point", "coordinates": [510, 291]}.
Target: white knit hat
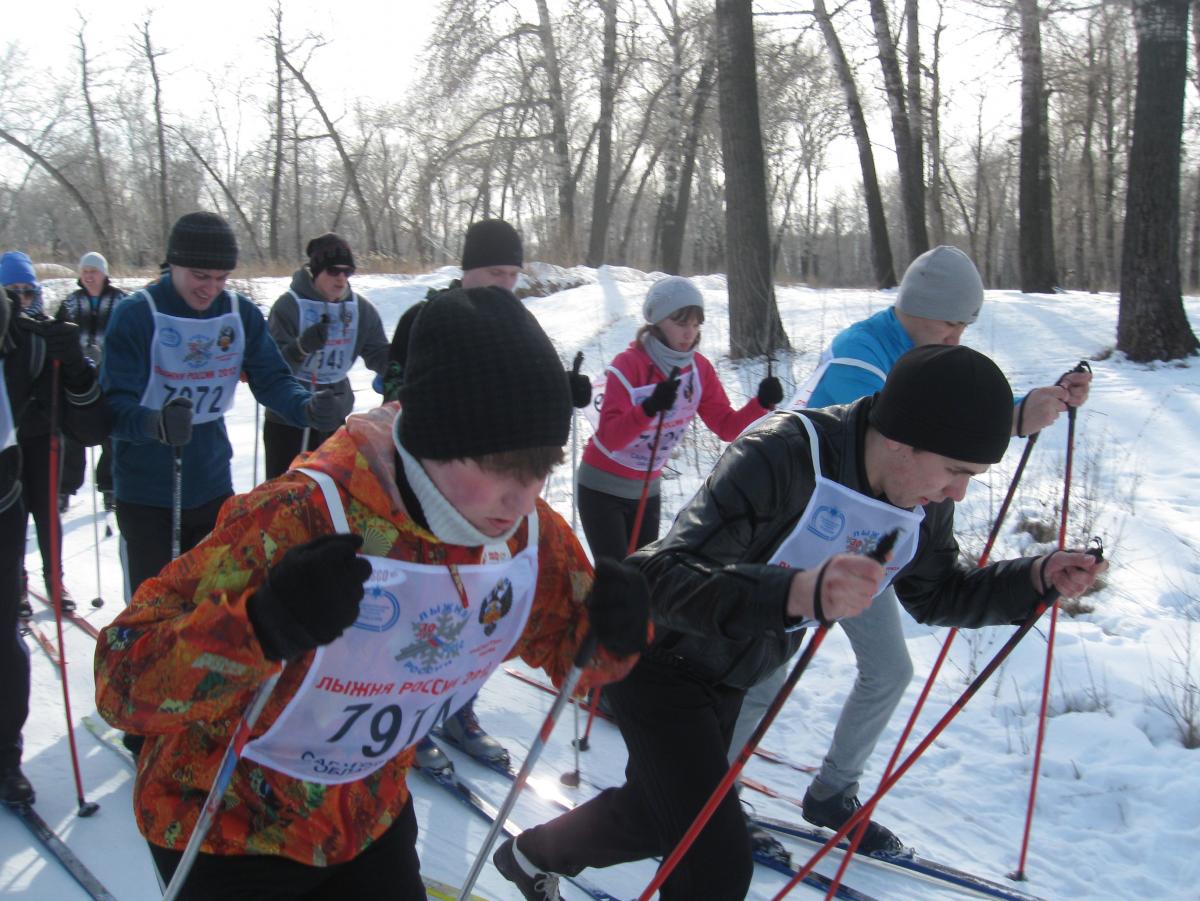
{"type": "Point", "coordinates": [95, 260]}
{"type": "Point", "coordinates": [669, 295]}
{"type": "Point", "coordinates": [942, 284]}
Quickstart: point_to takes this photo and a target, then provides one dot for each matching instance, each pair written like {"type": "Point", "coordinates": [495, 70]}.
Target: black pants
{"type": "Point", "coordinates": [14, 656]}
{"type": "Point", "coordinates": [608, 522]}
{"type": "Point", "coordinates": [281, 444]}
{"type": "Point", "coordinates": [35, 494]}
{"type": "Point", "coordinates": [75, 466]}
{"type": "Point", "coordinates": [677, 729]}
{"type": "Point", "coordinates": [388, 869]}
{"type": "Point", "coordinates": [146, 537]}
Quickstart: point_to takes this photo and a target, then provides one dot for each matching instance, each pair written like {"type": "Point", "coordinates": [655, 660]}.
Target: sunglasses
{"type": "Point", "coordinates": [24, 292]}
{"type": "Point", "coordinates": [340, 270]}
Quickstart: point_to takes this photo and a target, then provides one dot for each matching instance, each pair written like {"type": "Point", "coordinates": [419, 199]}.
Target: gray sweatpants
{"type": "Point", "coordinates": [884, 671]}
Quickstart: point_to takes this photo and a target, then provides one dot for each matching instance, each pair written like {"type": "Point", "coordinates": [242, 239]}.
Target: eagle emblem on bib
{"type": "Point", "coordinates": [495, 606]}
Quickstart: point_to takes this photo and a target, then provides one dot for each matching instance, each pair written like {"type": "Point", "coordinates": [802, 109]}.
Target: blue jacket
{"type": "Point", "coordinates": [142, 466]}
{"type": "Point", "coordinates": [879, 340]}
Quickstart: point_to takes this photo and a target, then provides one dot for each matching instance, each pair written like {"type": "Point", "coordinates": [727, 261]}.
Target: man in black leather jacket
{"type": "Point", "coordinates": [767, 546]}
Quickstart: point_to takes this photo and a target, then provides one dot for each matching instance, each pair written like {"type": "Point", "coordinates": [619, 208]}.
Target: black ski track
{"type": "Point", "coordinates": [31, 627]}
{"type": "Point", "coordinates": [59, 850]}
{"type": "Point", "coordinates": [922, 866]}
{"type": "Point", "coordinates": [816, 880]}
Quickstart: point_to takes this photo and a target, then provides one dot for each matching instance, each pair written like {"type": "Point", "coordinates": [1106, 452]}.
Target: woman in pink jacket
{"type": "Point", "coordinates": [638, 394]}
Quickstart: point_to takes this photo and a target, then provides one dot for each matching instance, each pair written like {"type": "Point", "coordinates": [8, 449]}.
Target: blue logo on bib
{"type": "Point", "coordinates": [199, 350]}
{"type": "Point", "coordinates": [168, 337]}
{"type": "Point", "coordinates": [378, 612]}
{"type": "Point", "coordinates": [827, 523]}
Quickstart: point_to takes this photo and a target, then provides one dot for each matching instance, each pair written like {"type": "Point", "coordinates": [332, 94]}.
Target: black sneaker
{"type": "Point", "coordinates": [832, 813]}
{"type": "Point", "coordinates": [14, 787]}
{"type": "Point", "coordinates": [536, 886]}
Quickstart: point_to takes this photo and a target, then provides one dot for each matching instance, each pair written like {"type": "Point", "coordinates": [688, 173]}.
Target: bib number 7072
{"type": "Point", "coordinates": [200, 394]}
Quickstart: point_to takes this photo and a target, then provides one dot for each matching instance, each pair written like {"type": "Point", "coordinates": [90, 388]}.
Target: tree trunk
{"type": "Point", "coordinates": [1151, 323]}
{"type": "Point", "coordinates": [1038, 272]}
{"type": "Point", "coordinates": [85, 83]}
{"type": "Point", "coordinates": [664, 220]}
{"type": "Point", "coordinates": [908, 155]}
{"type": "Point", "coordinates": [364, 211]}
{"type": "Point", "coordinates": [937, 212]}
{"type": "Point", "coordinates": [754, 326]}
{"type": "Point", "coordinates": [277, 140]}
{"type": "Point", "coordinates": [881, 248]}
{"type": "Point", "coordinates": [601, 209]}
{"type": "Point", "coordinates": [672, 238]}
{"type": "Point", "coordinates": [560, 141]}
{"type": "Point", "coordinates": [164, 204]}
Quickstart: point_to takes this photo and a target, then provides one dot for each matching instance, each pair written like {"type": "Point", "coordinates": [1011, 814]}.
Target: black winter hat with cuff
{"type": "Point", "coordinates": [492, 242]}
{"type": "Point", "coordinates": [948, 400]}
{"type": "Point", "coordinates": [202, 240]}
{"type": "Point", "coordinates": [328, 250]}
{"type": "Point", "coordinates": [481, 378]}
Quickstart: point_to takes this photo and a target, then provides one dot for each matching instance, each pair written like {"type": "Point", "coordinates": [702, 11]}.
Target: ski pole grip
{"type": "Point", "coordinates": [587, 648]}
{"type": "Point", "coordinates": [884, 546]}
{"type": "Point", "coordinates": [578, 362]}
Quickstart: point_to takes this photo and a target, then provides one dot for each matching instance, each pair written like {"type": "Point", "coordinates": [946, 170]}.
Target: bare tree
{"type": "Point", "coordinates": [160, 131]}
{"type": "Point", "coordinates": [559, 139]}
{"type": "Point", "coordinates": [85, 85]}
{"type": "Point", "coordinates": [1151, 323]}
{"type": "Point", "coordinates": [754, 326]}
{"type": "Point", "coordinates": [601, 206]}
{"type": "Point", "coordinates": [1036, 258]}
{"type": "Point", "coordinates": [276, 41]}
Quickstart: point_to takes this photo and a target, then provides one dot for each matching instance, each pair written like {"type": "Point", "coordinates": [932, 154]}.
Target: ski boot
{"type": "Point", "coordinates": [834, 811]}
{"type": "Point", "coordinates": [24, 608]}
{"type": "Point", "coordinates": [462, 730]}
{"type": "Point", "coordinates": [531, 882]}
{"type": "Point", "coordinates": [15, 789]}
{"type": "Point", "coordinates": [431, 757]}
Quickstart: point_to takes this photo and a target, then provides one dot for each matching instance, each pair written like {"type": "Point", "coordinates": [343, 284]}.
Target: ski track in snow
{"type": "Point", "coordinates": [1117, 801]}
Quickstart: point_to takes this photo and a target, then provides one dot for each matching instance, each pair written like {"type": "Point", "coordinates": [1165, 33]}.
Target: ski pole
{"type": "Point", "coordinates": [572, 778]}
{"type": "Point", "coordinates": [86, 808]}
{"type": "Point", "coordinates": [98, 600]}
{"type": "Point", "coordinates": [879, 554]}
{"type": "Point", "coordinates": [582, 743]}
{"type": "Point", "coordinates": [1019, 874]}
{"type": "Point", "coordinates": [586, 649]}
{"type": "Point", "coordinates": [176, 502]}
{"type": "Point", "coordinates": [254, 470]}
{"type": "Point", "coordinates": [313, 385]}
{"type": "Point", "coordinates": [969, 692]}
{"type": "Point", "coordinates": [241, 734]}
{"type": "Point", "coordinates": [575, 451]}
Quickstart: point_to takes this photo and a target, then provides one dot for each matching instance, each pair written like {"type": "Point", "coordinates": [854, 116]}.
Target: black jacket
{"type": "Point", "coordinates": [76, 307]}
{"type": "Point", "coordinates": [720, 610]}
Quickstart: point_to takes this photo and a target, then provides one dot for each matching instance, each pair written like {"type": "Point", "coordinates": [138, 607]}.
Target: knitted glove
{"type": "Point", "coordinates": [172, 425]}
{"type": "Point", "coordinates": [581, 385]}
{"type": "Point", "coordinates": [322, 410]}
{"type": "Point", "coordinates": [619, 607]}
{"type": "Point", "coordinates": [62, 344]}
{"type": "Point", "coordinates": [663, 397]}
{"type": "Point", "coordinates": [310, 596]}
{"type": "Point", "coordinates": [314, 337]}
{"type": "Point", "coordinates": [770, 392]}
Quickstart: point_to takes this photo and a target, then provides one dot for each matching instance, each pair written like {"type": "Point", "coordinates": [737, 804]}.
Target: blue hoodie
{"type": "Point", "coordinates": [142, 466]}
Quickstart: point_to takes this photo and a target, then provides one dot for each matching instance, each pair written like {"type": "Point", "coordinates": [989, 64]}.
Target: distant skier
{"type": "Point", "coordinates": [441, 495]}
{"type": "Point", "coordinates": [322, 326]}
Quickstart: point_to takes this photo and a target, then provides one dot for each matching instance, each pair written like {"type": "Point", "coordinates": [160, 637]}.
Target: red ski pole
{"type": "Point", "coordinates": [86, 808]}
{"type": "Point", "coordinates": [879, 554]}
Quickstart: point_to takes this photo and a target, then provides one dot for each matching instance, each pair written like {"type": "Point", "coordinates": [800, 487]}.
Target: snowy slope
{"type": "Point", "coordinates": [1118, 799]}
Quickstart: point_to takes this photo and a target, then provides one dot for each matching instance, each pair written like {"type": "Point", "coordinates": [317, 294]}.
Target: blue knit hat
{"type": "Point", "coordinates": [17, 269]}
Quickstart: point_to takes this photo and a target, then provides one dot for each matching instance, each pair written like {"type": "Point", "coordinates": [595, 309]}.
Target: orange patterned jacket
{"type": "Point", "coordinates": [180, 664]}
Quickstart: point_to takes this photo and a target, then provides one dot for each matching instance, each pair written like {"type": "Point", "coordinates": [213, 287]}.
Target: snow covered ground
{"type": "Point", "coordinates": [1118, 801]}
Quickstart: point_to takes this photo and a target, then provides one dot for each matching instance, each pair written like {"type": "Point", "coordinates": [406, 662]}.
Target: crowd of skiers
{"type": "Point", "coordinates": [411, 540]}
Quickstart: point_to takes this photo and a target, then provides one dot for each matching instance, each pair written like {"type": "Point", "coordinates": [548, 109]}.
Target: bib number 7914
{"type": "Point", "coordinates": [384, 727]}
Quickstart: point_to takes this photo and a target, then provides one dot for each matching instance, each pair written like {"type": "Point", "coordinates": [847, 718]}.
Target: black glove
{"type": "Point", "coordinates": [581, 385]}
{"type": "Point", "coordinates": [770, 391]}
{"type": "Point", "coordinates": [314, 337]}
{"type": "Point", "coordinates": [310, 596]}
{"type": "Point", "coordinates": [619, 607]}
{"type": "Point", "coordinates": [62, 344]}
{"type": "Point", "coordinates": [322, 410]}
{"type": "Point", "coordinates": [172, 425]}
{"type": "Point", "coordinates": [663, 397]}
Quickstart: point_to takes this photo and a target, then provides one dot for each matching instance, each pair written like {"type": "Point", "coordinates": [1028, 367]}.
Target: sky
{"type": "Point", "coordinates": [1117, 801]}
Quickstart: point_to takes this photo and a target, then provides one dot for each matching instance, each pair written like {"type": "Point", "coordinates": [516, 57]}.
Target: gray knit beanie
{"type": "Point", "coordinates": [943, 284]}
{"type": "Point", "coordinates": [95, 260]}
{"type": "Point", "coordinates": [669, 295]}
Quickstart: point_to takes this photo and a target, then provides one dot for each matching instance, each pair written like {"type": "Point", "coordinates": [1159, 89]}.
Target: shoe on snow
{"type": "Point", "coordinates": [110, 502]}
{"type": "Point", "coordinates": [431, 757]}
{"type": "Point", "coordinates": [14, 787]}
{"type": "Point", "coordinates": [533, 884]}
{"type": "Point", "coordinates": [764, 844]}
{"type": "Point", "coordinates": [68, 602]}
{"type": "Point", "coordinates": [833, 812]}
{"type": "Point", "coordinates": [24, 608]}
{"type": "Point", "coordinates": [462, 730]}
{"type": "Point", "coordinates": [64, 503]}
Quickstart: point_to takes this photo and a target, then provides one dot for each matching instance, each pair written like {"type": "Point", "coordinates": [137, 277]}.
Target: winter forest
{"type": "Point", "coordinates": [612, 131]}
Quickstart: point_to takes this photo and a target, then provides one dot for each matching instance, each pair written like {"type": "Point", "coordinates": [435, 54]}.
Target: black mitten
{"type": "Point", "coordinates": [581, 385]}
{"type": "Point", "coordinates": [314, 337]}
{"type": "Point", "coordinates": [619, 607]}
{"type": "Point", "coordinates": [173, 424]}
{"type": "Point", "coordinates": [62, 344]}
{"type": "Point", "coordinates": [663, 397]}
{"type": "Point", "coordinates": [310, 597]}
{"type": "Point", "coordinates": [770, 391]}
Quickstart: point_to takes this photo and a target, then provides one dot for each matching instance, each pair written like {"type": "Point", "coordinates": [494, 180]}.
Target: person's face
{"type": "Point", "coordinates": [25, 291]}
{"type": "Point", "coordinates": [332, 282]}
{"type": "Point", "coordinates": [489, 501]}
{"type": "Point", "coordinates": [914, 478]}
{"type": "Point", "coordinates": [933, 331]}
{"type": "Point", "coordinates": [492, 277]}
{"type": "Point", "coordinates": [680, 335]}
{"type": "Point", "coordinates": [92, 279]}
{"type": "Point", "coordinates": [198, 287]}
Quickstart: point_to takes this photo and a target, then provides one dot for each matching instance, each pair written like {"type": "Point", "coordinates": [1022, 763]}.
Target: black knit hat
{"type": "Point", "coordinates": [947, 400]}
{"type": "Point", "coordinates": [202, 240]}
{"type": "Point", "coordinates": [328, 250]}
{"type": "Point", "coordinates": [481, 378]}
{"type": "Point", "coordinates": [492, 242]}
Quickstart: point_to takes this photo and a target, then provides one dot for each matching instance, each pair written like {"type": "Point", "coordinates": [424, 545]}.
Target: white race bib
{"type": "Point", "coordinates": [196, 358]}
{"type": "Point", "coordinates": [333, 361]}
{"type": "Point", "coordinates": [800, 401]}
{"type": "Point", "coordinates": [636, 454]}
{"type": "Point", "coordinates": [419, 650]}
